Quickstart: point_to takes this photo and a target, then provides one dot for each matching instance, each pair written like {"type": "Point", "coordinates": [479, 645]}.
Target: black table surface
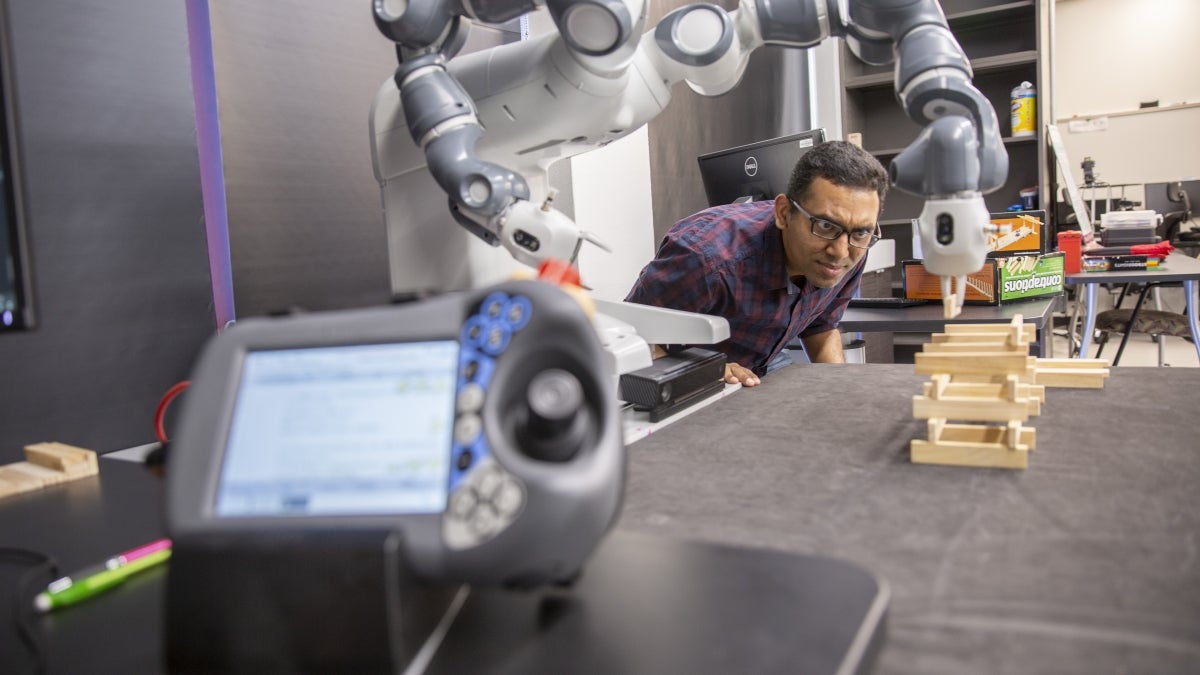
{"type": "Point", "coordinates": [644, 604]}
{"type": "Point", "coordinates": [1088, 561]}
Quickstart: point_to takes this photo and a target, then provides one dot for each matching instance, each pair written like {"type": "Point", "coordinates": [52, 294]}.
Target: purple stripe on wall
{"type": "Point", "coordinates": [208, 141]}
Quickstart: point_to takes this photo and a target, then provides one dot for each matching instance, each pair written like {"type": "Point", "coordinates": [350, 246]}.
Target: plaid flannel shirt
{"type": "Point", "coordinates": [729, 261]}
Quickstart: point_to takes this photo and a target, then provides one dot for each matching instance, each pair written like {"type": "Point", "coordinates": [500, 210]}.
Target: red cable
{"type": "Point", "coordinates": [162, 408]}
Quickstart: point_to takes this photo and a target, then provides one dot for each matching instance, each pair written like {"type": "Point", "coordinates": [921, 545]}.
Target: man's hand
{"type": "Point", "coordinates": [735, 373]}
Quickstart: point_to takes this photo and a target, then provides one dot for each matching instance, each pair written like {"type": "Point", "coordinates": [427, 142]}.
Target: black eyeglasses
{"type": "Point", "coordinates": [863, 237]}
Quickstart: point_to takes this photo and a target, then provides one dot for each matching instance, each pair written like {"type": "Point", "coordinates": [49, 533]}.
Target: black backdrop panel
{"type": "Point", "coordinates": [120, 263]}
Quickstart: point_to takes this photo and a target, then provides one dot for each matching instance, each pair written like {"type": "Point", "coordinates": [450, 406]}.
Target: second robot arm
{"type": "Point", "coordinates": [526, 105]}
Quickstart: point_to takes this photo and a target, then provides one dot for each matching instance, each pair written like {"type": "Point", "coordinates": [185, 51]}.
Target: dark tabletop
{"type": "Point", "coordinates": [1178, 266]}
{"type": "Point", "coordinates": [1086, 562]}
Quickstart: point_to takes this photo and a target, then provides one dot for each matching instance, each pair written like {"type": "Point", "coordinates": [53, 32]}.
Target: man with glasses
{"type": "Point", "coordinates": [775, 269]}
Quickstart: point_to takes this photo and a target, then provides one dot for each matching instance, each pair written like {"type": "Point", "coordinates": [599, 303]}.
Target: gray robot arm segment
{"type": "Point", "coordinates": [427, 23]}
{"type": "Point", "coordinates": [946, 92]}
{"type": "Point", "coordinates": [795, 24]}
{"type": "Point", "coordinates": [442, 122]}
{"type": "Point", "coordinates": [416, 24]}
{"type": "Point", "coordinates": [592, 27]}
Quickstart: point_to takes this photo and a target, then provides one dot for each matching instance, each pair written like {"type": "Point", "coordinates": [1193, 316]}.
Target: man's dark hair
{"type": "Point", "coordinates": [840, 163]}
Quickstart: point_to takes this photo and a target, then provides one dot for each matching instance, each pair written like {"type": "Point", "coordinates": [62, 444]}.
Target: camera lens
{"type": "Point", "coordinates": [945, 229]}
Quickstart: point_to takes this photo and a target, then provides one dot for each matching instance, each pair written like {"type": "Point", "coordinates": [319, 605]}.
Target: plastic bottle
{"type": "Point", "coordinates": [1024, 111]}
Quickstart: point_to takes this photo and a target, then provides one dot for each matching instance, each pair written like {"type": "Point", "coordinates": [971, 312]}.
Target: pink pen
{"type": "Point", "coordinates": [144, 550]}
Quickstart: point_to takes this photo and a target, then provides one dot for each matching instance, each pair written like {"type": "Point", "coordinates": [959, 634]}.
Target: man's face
{"type": "Point", "coordinates": [823, 262]}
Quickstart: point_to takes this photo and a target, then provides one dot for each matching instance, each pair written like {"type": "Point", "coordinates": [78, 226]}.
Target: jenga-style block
{"type": "Point", "coordinates": [975, 363]}
{"type": "Point", "coordinates": [970, 408]}
{"type": "Point", "coordinates": [47, 464]}
{"type": "Point", "coordinates": [61, 457]}
{"type": "Point", "coordinates": [975, 445]}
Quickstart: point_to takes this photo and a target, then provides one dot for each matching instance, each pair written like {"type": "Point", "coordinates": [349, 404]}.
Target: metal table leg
{"type": "Point", "coordinates": [1189, 291]}
{"type": "Point", "coordinates": [1089, 321]}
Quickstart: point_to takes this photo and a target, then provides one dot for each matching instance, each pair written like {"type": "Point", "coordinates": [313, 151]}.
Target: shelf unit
{"type": "Point", "coordinates": [1007, 43]}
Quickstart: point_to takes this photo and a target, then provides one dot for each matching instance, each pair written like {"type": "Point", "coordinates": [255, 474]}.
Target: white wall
{"type": "Point", "coordinates": [1111, 55]}
{"type": "Point", "coordinates": [612, 199]}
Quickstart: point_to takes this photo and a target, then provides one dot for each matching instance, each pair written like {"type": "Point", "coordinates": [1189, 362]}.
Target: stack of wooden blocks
{"type": "Point", "coordinates": [46, 464]}
{"type": "Point", "coordinates": [983, 374]}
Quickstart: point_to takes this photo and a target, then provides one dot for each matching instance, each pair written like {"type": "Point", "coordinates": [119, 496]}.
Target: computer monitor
{"type": "Point", "coordinates": [1180, 195]}
{"type": "Point", "coordinates": [756, 171]}
{"type": "Point", "coordinates": [16, 301]}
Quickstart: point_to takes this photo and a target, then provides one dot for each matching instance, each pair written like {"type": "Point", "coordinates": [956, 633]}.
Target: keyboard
{"type": "Point", "coordinates": [884, 303]}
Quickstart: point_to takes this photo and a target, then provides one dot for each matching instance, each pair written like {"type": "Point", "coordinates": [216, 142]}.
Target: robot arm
{"type": "Point", "coordinates": [601, 77]}
{"type": "Point", "coordinates": [958, 156]}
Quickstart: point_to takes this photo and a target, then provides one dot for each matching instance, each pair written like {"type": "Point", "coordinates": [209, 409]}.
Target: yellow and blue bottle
{"type": "Point", "coordinates": [1024, 110]}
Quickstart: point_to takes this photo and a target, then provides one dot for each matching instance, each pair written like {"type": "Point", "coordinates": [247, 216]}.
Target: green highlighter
{"type": "Point", "coordinates": [96, 583]}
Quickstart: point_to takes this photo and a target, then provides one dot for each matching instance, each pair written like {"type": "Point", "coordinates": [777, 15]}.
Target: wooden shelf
{"type": "Point", "coordinates": [980, 65]}
{"type": "Point", "coordinates": [1008, 140]}
{"type": "Point", "coordinates": [972, 17]}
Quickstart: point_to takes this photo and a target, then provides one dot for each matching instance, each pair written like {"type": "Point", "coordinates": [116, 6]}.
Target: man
{"type": "Point", "coordinates": [775, 269]}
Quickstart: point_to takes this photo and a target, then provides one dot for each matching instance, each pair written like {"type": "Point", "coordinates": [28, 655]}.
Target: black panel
{"type": "Point", "coordinates": [16, 286]}
{"type": "Point", "coordinates": [115, 221]}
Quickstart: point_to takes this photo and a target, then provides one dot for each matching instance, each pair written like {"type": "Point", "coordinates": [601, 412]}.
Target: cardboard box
{"type": "Point", "coordinates": [1001, 280]}
{"type": "Point", "coordinates": [1026, 234]}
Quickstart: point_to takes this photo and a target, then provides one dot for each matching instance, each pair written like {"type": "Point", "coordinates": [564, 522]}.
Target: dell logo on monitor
{"type": "Point", "coordinates": [751, 166]}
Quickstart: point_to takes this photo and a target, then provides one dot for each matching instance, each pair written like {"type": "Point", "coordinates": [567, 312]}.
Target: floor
{"type": "Point", "coordinates": [1141, 351]}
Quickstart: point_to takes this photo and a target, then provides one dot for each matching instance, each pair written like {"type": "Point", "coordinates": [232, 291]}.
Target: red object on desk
{"type": "Point", "coordinates": [1071, 244]}
{"type": "Point", "coordinates": [1159, 250]}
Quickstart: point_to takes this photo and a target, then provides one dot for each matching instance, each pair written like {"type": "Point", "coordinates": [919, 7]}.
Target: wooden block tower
{"type": "Point", "coordinates": [983, 376]}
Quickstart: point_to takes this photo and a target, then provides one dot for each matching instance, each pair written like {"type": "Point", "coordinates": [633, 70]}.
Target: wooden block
{"type": "Point", "coordinates": [970, 408]}
{"type": "Point", "coordinates": [935, 426]}
{"type": "Point", "coordinates": [49, 464]}
{"type": "Point", "coordinates": [974, 445]}
{"type": "Point", "coordinates": [1012, 437]}
{"type": "Point", "coordinates": [21, 480]}
{"type": "Point", "coordinates": [974, 363]}
{"type": "Point", "coordinates": [1035, 393]}
{"type": "Point", "coordinates": [977, 336]}
{"type": "Point", "coordinates": [949, 305]}
{"type": "Point", "coordinates": [985, 434]}
{"type": "Point", "coordinates": [965, 454]}
{"type": "Point", "coordinates": [1072, 363]}
{"type": "Point", "coordinates": [936, 387]}
{"type": "Point", "coordinates": [1028, 330]}
{"type": "Point", "coordinates": [41, 474]}
{"type": "Point", "coordinates": [61, 457]}
{"type": "Point", "coordinates": [1015, 334]}
{"type": "Point", "coordinates": [993, 347]}
{"type": "Point", "coordinates": [1077, 378]}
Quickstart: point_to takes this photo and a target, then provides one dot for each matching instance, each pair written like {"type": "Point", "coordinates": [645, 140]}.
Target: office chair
{"type": "Point", "coordinates": [1154, 322]}
{"type": "Point", "coordinates": [1174, 220]}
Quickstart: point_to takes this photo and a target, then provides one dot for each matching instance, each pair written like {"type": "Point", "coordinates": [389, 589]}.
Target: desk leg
{"type": "Point", "coordinates": [1189, 290]}
{"type": "Point", "coordinates": [1089, 321]}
